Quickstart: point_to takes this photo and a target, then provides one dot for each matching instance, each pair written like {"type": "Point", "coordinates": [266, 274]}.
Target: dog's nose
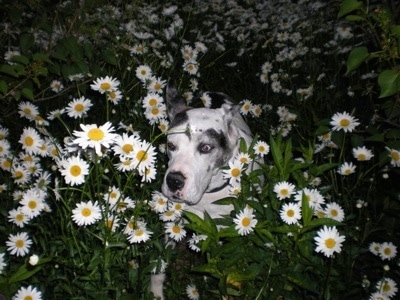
{"type": "Point", "coordinates": [175, 181]}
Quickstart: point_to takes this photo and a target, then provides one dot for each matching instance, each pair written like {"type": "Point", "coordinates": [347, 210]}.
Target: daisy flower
{"type": "Point", "coordinates": [395, 157]}
{"type": "Point", "coordinates": [313, 196]}
{"type": "Point", "coordinates": [374, 248]}
{"type": "Point", "coordinates": [378, 296]}
{"type": "Point", "coordinates": [125, 144]}
{"type": "Point", "coordinates": [74, 170]}
{"type": "Point", "coordinates": [149, 174]}
{"type": "Point", "coordinates": [261, 148]}
{"type": "Point", "coordinates": [347, 169]}
{"type": "Point", "coordinates": [113, 195]}
{"type": "Point", "coordinates": [2, 262]}
{"type": "Point", "coordinates": [143, 73]}
{"type": "Point", "coordinates": [192, 292]}
{"type": "Point", "coordinates": [30, 140]}
{"type": "Point", "coordinates": [234, 172]}
{"type": "Point", "coordinates": [191, 67]}
{"type": "Point", "coordinates": [139, 234]}
{"type": "Point", "coordinates": [156, 113]}
{"type": "Point", "coordinates": [32, 203]}
{"type": "Point", "coordinates": [19, 244]}
{"type": "Point", "coordinates": [235, 190]}
{"type": "Point", "coordinates": [114, 96]}
{"type": "Point", "coordinates": [86, 213]}
{"type": "Point", "coordinates": [334, 211]}
{"type": "Point", "coordinates": [344, 121]}
{"type": "Point", "coordinates": [30, 293]}
{"type": "Point", "coordinates": [56, 86]}
{"type": "Point", "coordinates": [175, 231]}
{"type": "Point", "coordinates": [158, 203]}
{"type": "Point", "coordinates": [206, 100]}
{"type": "Point", "coordinates": [78, 108]}
{"type": "Point", "coordinates": [245, 221]}
{"type": "Point", "coordinates": [256, 110]}
{"type": "Point", "coordinates": [195, 240]}
{"type": "Point", "coordinates": [28, 110]}
{"type": "Point", "coordinates": [362, 153]}
{"type": "Point", "coordinates": [105, 85]}
{"type": "Point", "coordinates": [20, 174]}
{"type": "Point", "coordinates": [387, 287]}
{"type": "Point", "coordinates": [144, 156]}
{"type": "Point", "coordinates": [387, 251]}
{"type": "Point", "coordinates": [152, 100]}
{"type": "Point", "coordinates": [95, 137]}
{"type": "Point", "coordinates": [290, 213]}
{"type": "Point", "coordinates": [156, 85]}
{"type": "Point", "coordinates": [329, 241]}
{"type": "Point", "coordinates": [284, 190]}
{"type": "Point", "coordinates": [4, 148]}
{"type": "Point", "coordinates": [112, 223]}
{"type": "Point", "coordinates": [125, 165]}
{"type": "Point", "coordinates": [246, 107]}
{"type": "Point", "coordinates": [168, 216]}
{"type": "Point", "coordinates": [244, 158]}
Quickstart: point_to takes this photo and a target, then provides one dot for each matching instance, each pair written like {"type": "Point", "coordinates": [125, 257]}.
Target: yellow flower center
{"type": "Point", "coordinates": [290, 213]}
{"type": "Point", "coordinates": [7, 164]}
{"type": "Point", "coordinates": [131, 225]}
{"type": "Point", "coordinates": [169, 213]}
{"type": "Point", "coordinates": [75, 170]}
{"type": "Point", "coordinates": [32, 204]}
{"type": "Point", "coordinates": [176, 229]}
{"type": "Point", "coordinates": [86, 212]}
{"type": "Point", "coordinates": [361, 156]}
{"type": "Point", "coordinates": [105, 86]}
{"type": "Point", "coordinates": [112, 95]}
{"type": "Point", "coordinates": [157, 86]}
{"type": "Point", "coordinates": [109, 223]}
{"type": "Point", "coordinates": [79, 107]}
{"type": "Point", "coordinates": [155, 111]}
{"type": "Point", "coordinates": [246, 221]}
{"type": "Point", "coordinates": [246, 107]}
{"type": "Point", "coordinates": [178, 206]}
{"type": "Point", "coordinates": [143, 72]}
{"type": "Point", "coordinates": [18, 174]}
{"type": "Point", "coordinates": [395, 155]}
{"type": "Point", "coordinates": [126, 163]}
{"type": "Point", "coordinates": [153, 102]}
{"type": "Point", "coordinates": [19, 217]}
{"type": "Point", "coordinates": [95, 134]}
{"type": "Point", "coordinates": [139, 232]}
{"type": "Point", "coordinates": [387, 251]}
{"type": "Point", "coordinates": [161, 201]}
{"type": "Point", "coordinates": [29, 141]}
{"type": "Point", "coordinates": [386, 287]}
{"type": "Point", "coordinates": [344, 122]}
{"type": "Point", "coordinates": [261, 149]}
{"type": "Point", "coordinates": [330, 243]}
{"type": "Point", "coordinates": [235, 172]}
{"type": "Point", "coordinates": [141, 155]}
{"type": "Point", "coordinates": [113, 195]}
{"type": "Point", "coordinates": [347, 171]}
{"type": "Point", "coordinates": [284, 192]}
{"type": "Point", "coordinates": [28, 298]}
{"type": "Point", "coordinates": [19, 243]}
{"type": "Point", "coordinates": [27, 111]}
{"type": "Point", "coordinates": [334, 213]}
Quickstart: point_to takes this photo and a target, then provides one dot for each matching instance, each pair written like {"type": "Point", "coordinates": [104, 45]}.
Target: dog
{"type": "Point", "coordinates": [200, 142]}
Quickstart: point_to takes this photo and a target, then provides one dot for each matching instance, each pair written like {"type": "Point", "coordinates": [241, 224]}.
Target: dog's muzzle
{"type": "Point", "coordinates": [175, 181]}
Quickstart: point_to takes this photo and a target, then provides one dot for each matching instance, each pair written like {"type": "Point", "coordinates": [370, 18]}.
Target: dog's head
{"type": "Point", "coordinates": [200, 141]}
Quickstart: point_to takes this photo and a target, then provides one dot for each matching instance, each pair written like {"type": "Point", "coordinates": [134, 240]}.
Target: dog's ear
{"type": "Point", "coordinates": [234, 121]}
{"type": "Point", "coordinates": [175, 102]}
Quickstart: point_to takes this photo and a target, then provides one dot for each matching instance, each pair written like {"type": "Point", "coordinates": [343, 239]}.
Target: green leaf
{"type": "Point", "coordinates": [23, 273]}
{"type": "Point", "coordinates": [9, 70]}
{"type": "Point", "coordinates": [347, 7]}
{"type": "Point", "coordinates": [23, 60]}
{"type": "Point", "coordinates": [307, 211]}
{"type": "Point", "coordinates": [356, 57]}
{"type": "Point", "coordinates": [41, 57]}
{"type": "Point", "coordinates": [27, 93]}
{"type": "Point", "coordinates": [3, 87]}
{"type": "Point", "coordinates": [321, 222]}
{"type": "Point", "coordinates": [395, 30]}
{"type": "Point", "coordinates": [389, 82]}
{"type": "Point", "coordinates": [26, 41]}
{"type": "Point", "coordinates": [354, 18]}
{"type": "Point", "coordinates": [109, 57]}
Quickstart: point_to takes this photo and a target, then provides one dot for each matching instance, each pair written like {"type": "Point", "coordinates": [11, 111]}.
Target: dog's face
{"type": "Point", "coordinates": [200, 141]}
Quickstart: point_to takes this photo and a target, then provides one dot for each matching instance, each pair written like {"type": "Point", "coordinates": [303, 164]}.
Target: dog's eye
{"type": "Point", "coordinates": [171, 146]}
{"type": "Point", "coordinates": [205, 148]}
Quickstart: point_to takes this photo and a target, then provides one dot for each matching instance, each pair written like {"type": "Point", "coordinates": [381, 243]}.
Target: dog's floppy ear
{"type": "Point", "coordinates": [175, 102]}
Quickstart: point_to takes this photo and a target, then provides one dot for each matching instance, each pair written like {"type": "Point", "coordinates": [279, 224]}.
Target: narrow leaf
{"type": "Point", "coordinates": [356, 57]}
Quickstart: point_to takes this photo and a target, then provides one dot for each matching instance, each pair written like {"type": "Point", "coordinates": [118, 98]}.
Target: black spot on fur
{"type": "Point", "coordinates": [219, 137]}
{"type": "Point", "coordinates": [179, 119]}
